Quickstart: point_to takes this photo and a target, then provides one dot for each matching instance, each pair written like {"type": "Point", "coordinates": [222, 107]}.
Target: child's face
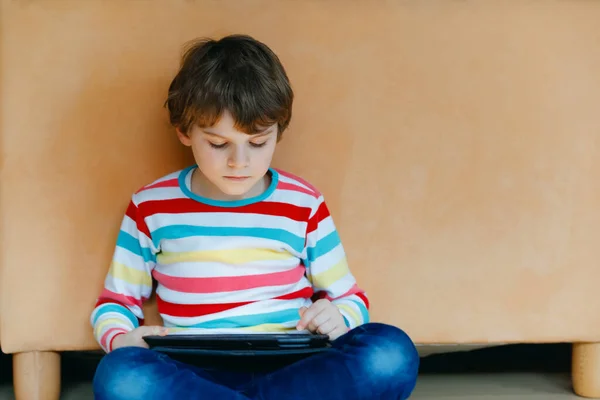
{"type": "Point", "coordinates": [232, 163]}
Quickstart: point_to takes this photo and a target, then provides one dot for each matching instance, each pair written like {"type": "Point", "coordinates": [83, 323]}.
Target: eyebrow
{"type": "Point", "coordinates": [260, 134]}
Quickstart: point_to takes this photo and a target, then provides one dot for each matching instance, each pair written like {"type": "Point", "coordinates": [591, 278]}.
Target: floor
{"type": "Point", "coordinates": [525, 372]}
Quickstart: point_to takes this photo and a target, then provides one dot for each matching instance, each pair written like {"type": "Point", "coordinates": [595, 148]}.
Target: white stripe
{"type": "Point", "coordinates": [286, 179]}
{"type": "Point", "coordinates": [131, 260]}
{"type": "Point", "coordinates": [194, 243]}
{"type": "Point", "coordinates": [327, 260]}
{"type": "Point", "coordinates": [110, 338]}
{"type": "Point", "coordinates": [325, 227]}
{"type": "Point", "coordinates": [172, 175]}
{"type": "Point", "coordinates": [352, 305]}
{"type": "Point", "coordinates": [254, 294]}
{"type": "Point", "coordinates": [117, 285]}
{"type": "Point", "coordinates": [340, 287]}
{"type": "Point", "coordinates": [292, 197]}
{"type": "Point", "coordinates": [113, 314]}
{"type": "Point", "coordinates": [290, 329]}
{"type": "Point", "coordinates": [129, 226]}
{"type": "Point", "coordinates": [262, 307]}
{"type": "Point", "coordinates": [134, 309]}
{"type": "Point", "coordinates": [214, 269]}
{"type": "Point", "coordinates": [159, 193]}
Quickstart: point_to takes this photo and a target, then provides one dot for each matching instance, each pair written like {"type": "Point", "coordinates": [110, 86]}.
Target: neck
{"type": "Point", "coordinates": [201, 186]}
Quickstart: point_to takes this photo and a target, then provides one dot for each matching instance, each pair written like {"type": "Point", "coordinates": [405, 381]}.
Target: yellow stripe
{"type": "Point", "coordinates": [257, 328]}
{"type": "Point", "coordinates": [130, 275]}
{"type": "Point", "coordinates": [351, 312]}
{"type": "Point", "coordinates": [112, 321]}
{"type": "Point", "coordinates": [227, 256]}
{"type": "Point", "coordinates": [268, 328]}
{"type": "Point", "coordinates": [333, 274]}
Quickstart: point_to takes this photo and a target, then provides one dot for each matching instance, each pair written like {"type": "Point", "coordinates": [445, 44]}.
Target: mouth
{"type": "Point", "coordinates": [237, 178]}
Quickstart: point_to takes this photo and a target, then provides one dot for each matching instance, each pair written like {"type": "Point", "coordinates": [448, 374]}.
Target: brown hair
{"type": "Point", "coordinates": [236, 73]}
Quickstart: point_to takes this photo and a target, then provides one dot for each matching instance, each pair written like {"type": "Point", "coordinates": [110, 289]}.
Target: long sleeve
{"type": "Point", "coordinates": [327, 267]}
{"type": "Point", "coordinates": [128, 282]}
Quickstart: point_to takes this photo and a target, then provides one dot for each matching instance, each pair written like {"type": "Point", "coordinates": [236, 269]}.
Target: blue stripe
{"type": "Point", "coordinates": [323, 246]}
{"type": "Point", "coordinates": [251, 320]}
{"type": "Point", "coordinates": [124, 311]}
{"type": "Point", "coordinates": [346, 321]}
{"type": "Point", "coordinates": [128, 242]}
{"type": "Point", "coordinates": [363, 311]}
{"type": "Point", "coordinates": [183, 231]}
{"type": "Point", "coordinates": [226, 203]}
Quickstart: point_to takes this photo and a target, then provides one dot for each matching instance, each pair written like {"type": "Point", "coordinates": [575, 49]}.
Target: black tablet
{"type": "Point", "coordinates": [258, 341]}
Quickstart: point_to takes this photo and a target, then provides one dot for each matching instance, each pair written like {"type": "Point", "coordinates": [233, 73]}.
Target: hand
{"type": "Point", "coordinates": [323, 317]}
{"type": "Point", "coordinates": [134, 338]}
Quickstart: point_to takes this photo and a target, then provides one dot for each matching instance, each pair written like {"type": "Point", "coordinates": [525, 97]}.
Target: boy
{"type": "Point", "coordinates": [233, 243]}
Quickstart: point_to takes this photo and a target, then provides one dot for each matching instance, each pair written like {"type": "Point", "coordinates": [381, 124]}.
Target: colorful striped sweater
{"type": "Point", "coordinates": [245, 265]}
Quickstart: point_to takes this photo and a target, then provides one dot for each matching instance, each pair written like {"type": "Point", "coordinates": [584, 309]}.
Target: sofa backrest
{"type": "Point", "coordinates": [457, 144]}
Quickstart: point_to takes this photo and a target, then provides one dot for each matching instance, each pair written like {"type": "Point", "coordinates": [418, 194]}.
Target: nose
{"type": "Point", "coordinates": [238, 158]}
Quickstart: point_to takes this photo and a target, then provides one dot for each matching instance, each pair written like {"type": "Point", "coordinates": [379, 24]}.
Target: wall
{"type": "Point", "coordinates": [456, 143]}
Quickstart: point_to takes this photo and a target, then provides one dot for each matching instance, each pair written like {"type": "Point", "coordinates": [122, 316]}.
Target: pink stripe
{"type": "Point", "coordinates": [296, 188]}
{"type": "Point", "coordinates": [107, 334]}
{"type": "Point", "coordinates": [302, 181]}
{"type": "Point", "coordinates": [229, 283]}
{"type": "Point", "coordinates": [125, 300]}
{"type": "Point", "coordinates": [353, 290]}
{"type": "Point", "coordinates": [168, 183]}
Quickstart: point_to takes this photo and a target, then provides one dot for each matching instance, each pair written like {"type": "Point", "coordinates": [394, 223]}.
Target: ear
{"type": "Point", "coordinates": [184, 138]}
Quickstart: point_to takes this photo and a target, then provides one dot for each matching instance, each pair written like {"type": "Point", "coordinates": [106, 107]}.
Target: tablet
{"type": "Point", "coordinates": [240, 341]}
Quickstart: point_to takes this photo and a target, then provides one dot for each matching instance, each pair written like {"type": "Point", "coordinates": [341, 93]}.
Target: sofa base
{"type": "Point", "coordinates": [586, 369]}
{"type": "Point", "coordinates": [36, 375]}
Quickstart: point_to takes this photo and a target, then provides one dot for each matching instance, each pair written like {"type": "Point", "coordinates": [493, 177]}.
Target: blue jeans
{"type": "Point", "coordinates": [372, 361]}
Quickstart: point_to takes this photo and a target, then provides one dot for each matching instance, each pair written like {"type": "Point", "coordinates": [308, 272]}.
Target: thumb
{"type": "Point", "coordinates": [154, 331]}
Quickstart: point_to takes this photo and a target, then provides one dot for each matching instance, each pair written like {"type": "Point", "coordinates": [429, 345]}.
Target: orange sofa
{"type": "Point", "coordinates": [457, 143]}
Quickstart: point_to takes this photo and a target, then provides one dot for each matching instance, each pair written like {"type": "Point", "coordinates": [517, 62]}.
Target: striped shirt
{"type": "Point", "coordinates": [245, 265]}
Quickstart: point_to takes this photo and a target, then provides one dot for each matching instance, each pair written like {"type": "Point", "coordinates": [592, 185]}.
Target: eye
{"type": "Point", "coordinates": [217, 146]}
{"type": "Point", "coordinates": [258, 144]}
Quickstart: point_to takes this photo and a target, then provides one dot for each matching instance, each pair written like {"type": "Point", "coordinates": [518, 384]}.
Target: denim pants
{"type": "Point", "coordinates": [372, 361]}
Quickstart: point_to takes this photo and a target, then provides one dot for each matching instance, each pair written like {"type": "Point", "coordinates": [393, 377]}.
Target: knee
{"type": "Point", "coordinates": [125, 373]}
{"type": "Point", "coordinates": [390, 356]}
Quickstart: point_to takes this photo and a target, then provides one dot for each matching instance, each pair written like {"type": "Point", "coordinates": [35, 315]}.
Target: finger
{"type": "Point", "coordinates": [339, 331]}
{"type": "Point", "coordinates": [302, 310]}
{"type": "Point", "coordinates": [327, 327]}
{"type": "Point", "coordinates": [319, 319]}
{"type": "Point", "coordinates": [153, 331]}
{"type": "Point", "coordinates": [309, 314]}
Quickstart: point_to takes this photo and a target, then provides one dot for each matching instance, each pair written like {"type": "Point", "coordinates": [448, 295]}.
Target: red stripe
{"type": "Point", "coordinates": [134, 213]}
{"type": "Point", "coordinates": [181, 206]}
{"type": "Point", "coordinates": [364, 298]}
{"type": "Point", "coordinates": [194, 310]}
{"type": "Point", "coordinates": [112, 340]}
{"type": "Point", "coordinates": [353, 290]}
{"type": "Point", "coordinates": [305, 293]}
{"type": "Point", "coordinates": [131, 211]}
{"type": "Point", "coordinates": [320, 215]}
{"type": "Point", "coordinates": [113, 298]}
{"type": "Point", "coordinates": [229, 283]}
{"type": "Point", "coordinates": [295, 188]}
{"type": "Point", "coordinates": [198, 310]}
{"type": "Point", "coordinates": [302, 181]}
{"type": "Point", "coordinates": [110, 297]}
{"type": "Point", "coordinates": [168, 183]}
